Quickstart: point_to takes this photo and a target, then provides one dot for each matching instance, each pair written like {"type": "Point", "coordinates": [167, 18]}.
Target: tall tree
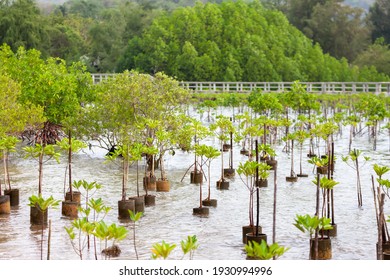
{"type": "Point", "coordinates": [299, 12]}
{"type": "Point", "coordinates": [106, 40]}
{"type": "Point", "coordinates": [379, 16]}
{"type": "Point", "coordinates": [341, 30]}
{"type": "Point", "coordinates": [22, 25]}
{"type": "Point", "coordinates": [377, 55]}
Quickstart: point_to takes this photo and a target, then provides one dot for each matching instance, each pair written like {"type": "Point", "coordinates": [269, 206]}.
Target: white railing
{"type": "Point", "coordinates": [246, 87]}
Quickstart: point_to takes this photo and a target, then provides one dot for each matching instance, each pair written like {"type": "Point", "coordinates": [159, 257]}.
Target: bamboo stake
{"type": "Point", "coordinates": [48, 241]}
{"type": "Point", "coordinates": [380, 228]}
{"type": "Point", "coordinates": [274, 214]}
{"type": "Point", "coordinates": [317, 212]}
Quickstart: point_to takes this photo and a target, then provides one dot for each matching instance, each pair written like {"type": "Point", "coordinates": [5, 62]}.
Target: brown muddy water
{"type": "Point", "coordinates": [172, 220]}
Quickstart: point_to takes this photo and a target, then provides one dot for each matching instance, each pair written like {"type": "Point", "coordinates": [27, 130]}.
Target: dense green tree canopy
{"type": "Point", "coordinates": [233, 41]}
{"type": "Point", "coordinates": [201, 39]}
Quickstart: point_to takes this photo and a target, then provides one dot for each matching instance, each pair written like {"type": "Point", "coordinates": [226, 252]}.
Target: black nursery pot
{"type": "Point", "coordinates": [70, 209]}
{"type": "Point", "coordinates": [37, 216]}
{"type": "Point", "coordinates": [229, 172]}
{"type": "Point", "coordinates": [123, 208]}
{"type": "Point", "coordinates": [222, 185]}
{"type": "Point", "coordinates": [150, 200]}
{"type": "Point", "coordinates": [209, 202]}
{"type": "Point", "coordinates": [256, 238]}
{"type": "Point", "coordinates": [13, 196]}
{"type": "Point", "coordinates": [201, 211]}
{"type": "Point", "coordinates": [249, 229]}
{"type": "Point", "coordinates": [324, 248]}
{"type": "Point", "coordinates": [196, 177]}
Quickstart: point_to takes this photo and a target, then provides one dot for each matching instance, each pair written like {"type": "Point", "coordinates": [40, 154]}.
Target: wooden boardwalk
{"type": "Point", "coordinates": [247, 87]}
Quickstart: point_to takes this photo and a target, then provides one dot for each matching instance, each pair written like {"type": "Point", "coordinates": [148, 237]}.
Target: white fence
{"type": "Point", "coordinates": [247, 87]}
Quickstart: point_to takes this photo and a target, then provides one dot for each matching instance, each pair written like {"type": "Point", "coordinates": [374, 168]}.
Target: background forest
{"type": "Point", "coordinates": [268, 40]}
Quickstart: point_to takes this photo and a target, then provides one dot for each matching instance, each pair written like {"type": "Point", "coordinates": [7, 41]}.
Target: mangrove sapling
{"type": "Point", "coordinates": [310, 122]}
{"type": "Point", "coordinates": [162, 250]}
{"type": "Point", "coordinates": [197, 132]}
{"type": "Point", "coordinates": [122, 152]}
{"type": "Point", "coordinates": [352, 121]}
{"type": "Point", "coordinates": [87, 189]}
{"type": "Point", "coordinates": [99, 212]}
{"type": "Point", "coordinates": [266, 152]}
{"type": "Point", "coordinates": [7, 145]}
{"type": "Point", "coordinates": [210, 153]}
{"type": "Point", "coordinates": [301, 136]}
{"type": "Point", "coordinates": [135, 217]}
{"type": "Point", "coordinates": [136, 151]}
{"type": "Point", "coordinates": [379, 193]}
{"type": "Point", "coordinates": [325, 132]}
{"type": "Point", "coordinates": [208, 105]}
{"type": "Point", "coordinates": [352, 160]}
{"type": "Point", "coordinates": [222, 129]}
{"type": "Point", "coordinates": [113, 233]}
{"type": "Point", "coordinates": [326, 185]}
{"type": "Point", "coordinates": [312, 224]}
{"type": "Point", "coordinates": [164, 140]}
{"type": "Point", "coordinates": [264, 251]}
{"type": "Point", "coordinates": [149, 177]}
{"type": "Point", "coordinates": [248, 170]}
{"type": "Point", "coordinates": [189, 246]}
{"type": "Point", "coordinates": [293, 176]}
{"type": "Point", "coordinates": [263, 172]}
{"type": "Point", "coordinates": [70, 146]}
{"type": "Point", "coordinates": [385, 185]}
{"type": "Point", "coordinates": [100, 229]}
{"type": "Point", "coordinates": [43, 205]}
{"type": "Point", "coordinates": [242, 132]}
{"type": "Point", "coordinates": [320, 165]}
{"type": "Point", "coordinates": [130, 152]}
{"type": "Point", "coordinates": [200, 210]}
{"type": "Point", "coordinates": [78, 233]}
{"type": "Point", "coordinates": [82, 228]}
{"type": "Point", "coordinates": [150, 153]}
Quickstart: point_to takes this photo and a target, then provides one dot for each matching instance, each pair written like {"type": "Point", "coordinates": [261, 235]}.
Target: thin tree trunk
{"type": "Point", "coordinates": [70, 167]}
{"type": "Point", "coordinates": [40, 172]}
{"type": "Point", "coordinates": [6, 176]}
{"type": "Point", "coordinates": [331, 177]}
{"type": "Point", "coordinates": [137, 179]}
{"type": "Point", "coordinates": [208, 181]}
{"type": "Point", "coordinates": [359, 189]}
{"type": "Point", "coordinates": [257, 211]}
{"type": "Point", "coordinates": [135, 247]}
